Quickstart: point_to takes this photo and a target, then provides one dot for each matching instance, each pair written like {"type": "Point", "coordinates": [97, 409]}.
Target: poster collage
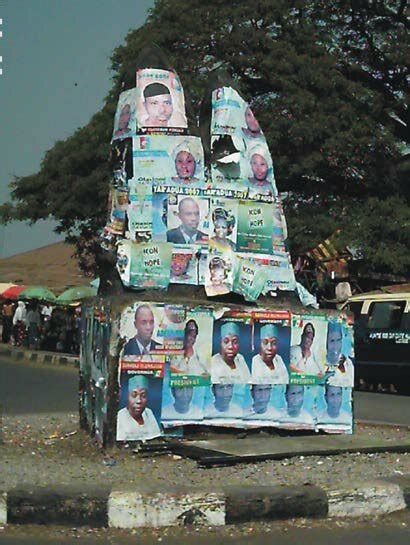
{"type": "Point", "coordinates": [173, 218]}
{"type": "Point", "coordinates": [246, 368]}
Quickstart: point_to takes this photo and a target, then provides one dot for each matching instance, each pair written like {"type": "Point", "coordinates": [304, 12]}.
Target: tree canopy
{"type": "Point", "coordinates": [327, 82]}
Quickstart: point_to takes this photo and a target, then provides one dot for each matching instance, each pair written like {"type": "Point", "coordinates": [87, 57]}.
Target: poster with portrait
{"type": "Point", "coordinates": [150, 265]}
{"type": "Point", "coordinates": [261, 180]}
{"type": "Point", "coordinates": [223, 222]}
{"type": "Point", "coordinates": [249, 279]}
{"type": "Point", "coordinates": [268, 406]}
{"type": "Point", "coordinates": [184, 266]}
{"type": "Point", "coordinates": [169, 160]}
{"type": "Point", "coordinates": [139, 408]}
{"type": "Point", "coordinates": [229, 395]}
{"type": "Point", "coordinates": [299, 408]}
{"type": "Point", "coordinates": [180, 219]}
{"type": "Point", "coordinates": [229, 169]}
{"type": "Point", "coordinates": [125, 115]}
{"type": "Point", "coordinates": [334, 409]}
{"type": "Point", "coordinates": [339, 353]}
{"type": "Point", "coordinates": [255, 226]}
{"type": "Point", "coordinates": [152, 330]}
{"type": "Point", "coordinates": [308, 349]}
{"type": "Point", "coordinates": [160, 101]}
{"type": "Point", "coordinates": [220, 270]}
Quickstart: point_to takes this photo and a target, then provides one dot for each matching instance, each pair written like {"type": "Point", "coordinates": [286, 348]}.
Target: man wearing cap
{"type": "Point", "coordinates": [339, 366]}
{"type": "Point", "coordinates": [142, 343]}
{"type": "Point", "coordinates": [334, 413]}
{"type": "Point", "coordinates": [268, 366]}
{"type": "Point", "coordinates": [136, 421]}
{"type": "Point", "coordinates": [295, 398]}
{"type": "Point", "coordinates": [228, 366]}
{"type": "Point", "coordinates": [187, 232]}
{"type": "Point", "coordinates": [158, 105]}
{"type": "Point", "coordinates": [182, 407]}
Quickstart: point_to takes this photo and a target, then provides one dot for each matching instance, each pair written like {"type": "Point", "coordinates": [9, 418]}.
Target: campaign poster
{"type": "Point", "coordinates": [223, 222]}
{"type": "Point", "coordinates": [229, 397]}
{"type": "Point", "coordinates": [268, 407]}
{"type": "Point", "coordinates": [183, 399]}
{"type": "Point", "coordinates": [220, 270]}
{"type": "Point", "coordinates": [334, 409]}
{"type": "Point", "coordinates": [125, 116]}
{"type": "Point", "coordinates": [339, 354]}
{"type": "Point", "coordinates": [231, 115]}
{"type": "Point", "coordinates": [255, 225]}
{"type": "Point", "coordinates": [180, 219]}
{"type": "Point", "coordinates": [139, 215]}
{"type": "Point", "coordinates": [249, 279]}
{"type": "Point", "coordinates": [202, 267]}
{"type": "Point", "coordinates": [139, 408]}
{"type": "Point", "coordinates": [118, 210]}
{"type": "Point", "coordinates": [299, 409]}
{"type": "Point", "coordinates": [230, 172]}
{"type": "Point", "coordinates": [121, 162]}
{"type": "Point", "coordinates": [271, 347]}
{"type": "Point", "coordinates": [123, 264]}
{"type": "Point", "coordinates": [308, 349]}
{"type": "Point", "coordinates": [169, 160]}
{"type": "Point", "coordinates": [261, 180]}
{"type": "Point", "coordinates": [151, 265]}
{"type": "Point", "coordinates": [184, 266]}
{"type": "Point", "coordinates": [279, 272]}
{"type": "Point", "coordinates": [151, 330]}
{"type": "Point", "coordinates": [160, 101]}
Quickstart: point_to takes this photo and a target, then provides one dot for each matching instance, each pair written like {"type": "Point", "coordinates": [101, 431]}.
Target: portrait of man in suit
{"type": "Point", "coordinates": [142, 343]}
{"type": "Point", "coordinates": [190, 217]}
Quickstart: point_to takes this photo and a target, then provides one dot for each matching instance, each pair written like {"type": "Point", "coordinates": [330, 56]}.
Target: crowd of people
{"type": "Point", "coordinates": [41, 326]}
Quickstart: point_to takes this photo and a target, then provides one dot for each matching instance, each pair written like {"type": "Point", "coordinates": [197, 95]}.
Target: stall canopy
{"type": "Point", "coordinates": [74, 295]}
{"type": "Point", "coordinates": [12, 292]}
{"type": "Point", "coordinates": [39, 293]}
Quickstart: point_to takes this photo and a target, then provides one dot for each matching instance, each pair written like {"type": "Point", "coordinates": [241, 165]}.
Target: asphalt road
{"type": "Point", "coordinates": [33, 388]}
{"type": "Point", "coordinates": [387, 530]}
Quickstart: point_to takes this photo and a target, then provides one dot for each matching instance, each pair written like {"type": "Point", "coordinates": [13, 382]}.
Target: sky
{"type": "Point", "coordinates": [47, 46]}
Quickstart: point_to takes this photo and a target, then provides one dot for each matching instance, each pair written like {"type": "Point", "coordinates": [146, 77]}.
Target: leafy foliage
{"type": "Point", "coordinates": [327, 81]}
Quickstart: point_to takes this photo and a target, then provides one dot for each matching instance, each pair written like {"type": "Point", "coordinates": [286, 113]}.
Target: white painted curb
{"type": "Point", "coordinates": [3, 508]}
{"type": "Point", "coordinates": [374, 499]}
{"type": "Point", "coordinates": [138, 509]}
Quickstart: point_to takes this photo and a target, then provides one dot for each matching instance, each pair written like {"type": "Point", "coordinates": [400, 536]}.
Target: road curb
{"type": "Point", "coordinates": [102, 507]}
{"type": "Point", "coordinates": [39, 356]}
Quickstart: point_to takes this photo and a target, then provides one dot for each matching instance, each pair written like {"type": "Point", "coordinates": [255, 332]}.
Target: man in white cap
{"type": "Point", "coordinates": [136, 421]}
{"type": "Point", "coordinates": [267, 366]}
{"type": "Point", "coordinates": [228, 366]}
{"type": "Point", "coordinates": [339, 366]}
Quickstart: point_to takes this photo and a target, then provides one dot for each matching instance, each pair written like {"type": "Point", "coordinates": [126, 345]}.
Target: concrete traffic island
{"type": "Point", "coordinates": [143, 508]}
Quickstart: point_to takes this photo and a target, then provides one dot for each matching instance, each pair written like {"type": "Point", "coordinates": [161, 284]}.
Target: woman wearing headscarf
{"type": "Point", "coordinates": [19, 323]}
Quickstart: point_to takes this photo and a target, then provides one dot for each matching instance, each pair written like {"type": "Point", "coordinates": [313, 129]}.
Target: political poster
{"type": "Point", "coordinates": [184, 266]}
{"type": "Point", "coordinates": [271, 347]}
{"type": "Point", "coordinates": [308, 349]}
{"type": "Point", "coordinates": [121, 162]}
{"type": "Point", "coordinates": [169, 160]}
{"type": "Point", "coordinates": [150, 265]}
{"type": "Point", "coordinates": [339, 354]}
{"type": "Point", "coordinates": [139, 414]}
{"type": "Point", "coordinates": [219, 273]}
{"type": "Point", "coordinates": [299, 411]}
{"type": "Point", "coordinates": [261, 180]}
{"type": "Point", "coordinates": [255, 225]}
{"type": "Point", "coordinates": [268, 406]}
{"type": "Point", "coordinates": [334, 409]}
{"type": "Point", "coordinates": [279, 272]}
{"type": "Point", "coordinates": [160, 101]}
{"type": "Point", "coordinates": [139, 214]}
{"type": "Point", "coordinates": [118, 210]}
{"type": "Point", "coordinates": [181, 219]}
{"type": "Point", "coordinates": [125, 115]}
{"type": "Point", "coordinates": [123, 263]}
{"type": "Point", "coordinates": [150, 330]}
{"type": "Point", "coordinates": [249, 278]}
{"type": "Point", "coordinates": [228, 398]}
{"type": "Point", "coordinates": [223, 222]}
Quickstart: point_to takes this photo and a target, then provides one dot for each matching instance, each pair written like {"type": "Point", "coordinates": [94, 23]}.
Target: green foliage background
{"type": "Point", "coordinates": [327, 81]}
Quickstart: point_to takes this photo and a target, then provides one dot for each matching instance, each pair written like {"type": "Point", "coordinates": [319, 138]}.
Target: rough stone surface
{"type": "Point", "coordinates": [372, 499]}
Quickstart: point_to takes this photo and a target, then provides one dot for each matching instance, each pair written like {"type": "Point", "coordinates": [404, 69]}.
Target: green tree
{"type": "Point", "coordinates": [326, 80]}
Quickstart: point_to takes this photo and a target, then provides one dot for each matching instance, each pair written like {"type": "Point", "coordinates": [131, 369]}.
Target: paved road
{"type": "Point", "coordinates": [392, 529]}
{"type": "Point", "coordinates": [33, 388]}
{"type": "Point", "coordinates": [30, 387]}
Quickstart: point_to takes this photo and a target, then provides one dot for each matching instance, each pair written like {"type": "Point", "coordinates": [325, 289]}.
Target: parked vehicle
{"type": "Point", "coordinates": [382, 337]}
